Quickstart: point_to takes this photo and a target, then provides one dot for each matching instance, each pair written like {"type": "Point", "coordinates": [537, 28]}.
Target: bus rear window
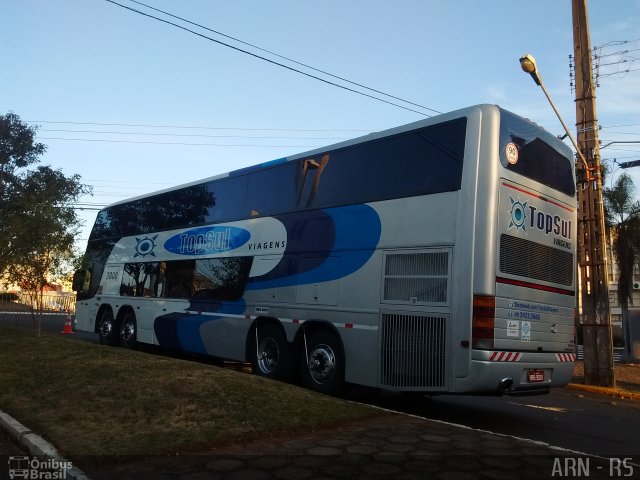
{"type": "Point", "coordinates": [536, 158]}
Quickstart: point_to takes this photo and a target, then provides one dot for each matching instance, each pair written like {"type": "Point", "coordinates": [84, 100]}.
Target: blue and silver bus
{"type": "Point", "coordinates": [439, 256]}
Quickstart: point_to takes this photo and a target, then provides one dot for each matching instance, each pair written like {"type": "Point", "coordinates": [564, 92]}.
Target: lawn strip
{"type": "Point", "coordinates": [90, 399]}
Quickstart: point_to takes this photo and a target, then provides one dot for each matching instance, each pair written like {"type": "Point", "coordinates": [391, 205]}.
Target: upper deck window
{"type": "Point", "coordinates": [539, 157]}
{"type": "Point", "coordinates": [422, 161]}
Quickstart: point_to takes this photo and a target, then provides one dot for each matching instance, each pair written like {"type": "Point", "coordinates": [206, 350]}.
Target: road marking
{"type": "Point", "coordinates": [540, 407]}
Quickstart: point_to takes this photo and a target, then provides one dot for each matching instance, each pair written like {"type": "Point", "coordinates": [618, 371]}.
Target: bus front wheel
{"type": "Point", "coordinates": [107, 328]}
{"type": "Point", "coordinates": [270, 355]}
{"type": "Point", "coordinates": [322, 365]}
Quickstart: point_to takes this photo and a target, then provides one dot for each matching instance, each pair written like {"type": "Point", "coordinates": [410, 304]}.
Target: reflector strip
{"type": "Point", "coordinates": [535, 195]}
{"type": "Point", "coordinates": [537, 286]}
{"type": "Point", "coordinates": [505, 356]}
{"type": "Point", "coordinates": [297, 321]}
{"type": "Point", "coordinates": [566, 357]}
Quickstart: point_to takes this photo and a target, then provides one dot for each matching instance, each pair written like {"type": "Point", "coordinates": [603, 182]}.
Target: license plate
{"type": "Point", "coordinates": [534, 376]}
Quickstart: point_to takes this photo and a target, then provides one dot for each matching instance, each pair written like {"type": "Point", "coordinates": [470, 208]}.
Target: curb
{"type": "Point", "coordinates": [612, 392]}
{"type": "Point", "coordinates": [36, 444]}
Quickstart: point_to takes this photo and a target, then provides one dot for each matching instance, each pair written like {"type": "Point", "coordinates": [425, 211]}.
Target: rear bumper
{"type": "Point", "coordinates": [491, 371]}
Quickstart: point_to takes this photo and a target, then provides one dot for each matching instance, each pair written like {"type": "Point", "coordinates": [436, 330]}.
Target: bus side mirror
{"type": "Point", "coordinates": [81, 279]}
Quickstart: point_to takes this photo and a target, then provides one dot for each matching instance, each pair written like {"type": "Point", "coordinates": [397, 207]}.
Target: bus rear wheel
{"type": "Point", "coordinates": [129, 331]}
{"type": "Point", "coordinates": [322, 365]}
{"type": "Point", "coordinates": [270, 354]}
{"type": "Point", "coordinates": [107, 328]}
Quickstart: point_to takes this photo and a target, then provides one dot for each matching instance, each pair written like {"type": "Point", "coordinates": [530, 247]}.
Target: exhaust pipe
{"type": "Point", "coordinates": [505, 385]}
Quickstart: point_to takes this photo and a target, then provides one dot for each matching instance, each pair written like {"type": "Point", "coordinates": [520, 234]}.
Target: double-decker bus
{"type": "Point", "coordinates": [438, 256]}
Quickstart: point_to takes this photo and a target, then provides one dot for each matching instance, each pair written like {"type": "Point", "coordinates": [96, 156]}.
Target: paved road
{"type": "Point", "coordinates": [585, 422]}
{"type": "Point", "coordinates": [51, 322]}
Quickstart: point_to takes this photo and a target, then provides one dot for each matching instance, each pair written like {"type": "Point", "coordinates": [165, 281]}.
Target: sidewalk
{"type": "Point", "coordinates": [627, 381]}
{"type": "Point", "coordinates": [395, 446]}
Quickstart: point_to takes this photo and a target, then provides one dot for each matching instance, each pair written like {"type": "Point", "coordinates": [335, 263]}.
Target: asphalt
{"type": "Point", "coordinates": [390, 445]}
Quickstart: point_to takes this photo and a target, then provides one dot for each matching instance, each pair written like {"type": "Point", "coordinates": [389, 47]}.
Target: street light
{"type": "Point", "coordinates": [528, 64]}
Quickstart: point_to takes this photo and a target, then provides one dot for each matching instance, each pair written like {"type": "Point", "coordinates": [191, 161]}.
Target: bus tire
{"type": "Point", "coordinates": [322, 364]}
{"type": "Point", "coordinates": [129, 330]}
{"type": "Point", "coordinates": [108, 329]}
{"type": "Point", "coordinates": [272, 356]}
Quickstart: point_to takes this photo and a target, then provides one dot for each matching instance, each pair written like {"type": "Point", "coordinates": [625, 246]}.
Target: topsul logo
{"type": "Point", "coordinates": [207, 240]}
{"type": "Point", "coordinates": [525, 216]}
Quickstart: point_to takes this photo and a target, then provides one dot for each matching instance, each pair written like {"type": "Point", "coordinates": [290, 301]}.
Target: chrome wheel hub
{"type": "Point", "coordinates": [268, 355]}
{"type": "Point", "coordinates": [322, 364]}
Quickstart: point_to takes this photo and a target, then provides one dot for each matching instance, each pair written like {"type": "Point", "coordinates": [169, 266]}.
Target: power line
{"type": "Point", "coordinates": [135, 182]}
{"type": "Point", "coordinates": [175, 143]}
{"type": "Point", "coordinates": [619, 72]}
{"type": "Point", "coordinates": [617, 157]}
{"type": "Point", "coordinates": [274, 62]}
{"type": "Point", "coordinates": [185, 135]}
{"type": "Point", "coordinates": [283, 57]}
{"type": "Point", "coordinates": [196, 127]}
{"type": "Point", "coordinates": [624, 133]}
{"type": "Point", "coordinates": [625, 125]}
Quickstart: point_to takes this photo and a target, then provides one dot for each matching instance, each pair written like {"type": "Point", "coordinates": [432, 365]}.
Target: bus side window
{"type": "Point", "coordinates": [221, 278]}
{"type": "Point", "coordinates": [179, 277]}
{"type": "Point", "coordinates": [159, 281]}
{"type": "Point", "coordinates": [137, 279]}
{"type": "Point", "coordinates": [81, 281]}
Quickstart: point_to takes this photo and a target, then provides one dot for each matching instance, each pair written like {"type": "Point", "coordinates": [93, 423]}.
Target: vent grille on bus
{"type": "Point", "coordinates": [416, 277]}
{"type": "Point", "coordinates": [532, 260]}
{"type": "Point", "coordinates": [413, 351]}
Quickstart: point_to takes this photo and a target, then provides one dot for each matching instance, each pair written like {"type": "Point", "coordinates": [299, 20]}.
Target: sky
{"type": "Point", "coordinates": [134, 105]}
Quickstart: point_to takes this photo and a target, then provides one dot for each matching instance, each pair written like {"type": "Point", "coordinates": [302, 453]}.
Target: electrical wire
{"type": "Point", "coordinates": [186, 135]}
{"type": "Point", "coordinates": [283, 57]}
{"type": "Point", "coordinates": [620, 72]}
{"type": "Point", "coordinates": [624, 125]}
{"type": "Point", "coordinates": [196, 127]}
{"type": "Point", "coordinates": [315, 77]}
{"type": "Point", "coordinates": [102, 140]}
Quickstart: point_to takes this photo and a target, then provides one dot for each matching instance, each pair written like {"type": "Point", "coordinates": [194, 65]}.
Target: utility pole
{"type": "Point", "coordinates": [595, 318]}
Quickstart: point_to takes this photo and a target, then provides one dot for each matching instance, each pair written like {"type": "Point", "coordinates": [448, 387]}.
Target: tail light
{"type": "Point", "coordinates": [483, 323]}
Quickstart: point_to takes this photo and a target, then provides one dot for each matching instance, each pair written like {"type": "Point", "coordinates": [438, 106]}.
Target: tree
{"type": "Point", "coordinates": [622, 213]}
{"type": "Point", "coordinates": [18, 149]}
{"type": "Point", "coordinates": [38, 222]}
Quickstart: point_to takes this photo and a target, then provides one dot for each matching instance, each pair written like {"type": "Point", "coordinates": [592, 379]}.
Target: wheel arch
{"type": "Point", "coordinates": [101, 310]}
{"type": "Point", "coordinates": [322, 357]}
{"type": "Point", "coordinates": [122, 311]}
{"type": "Point", "coordinates": [312, 326]}
{"type": "Point", "coordinates": [260, 321]}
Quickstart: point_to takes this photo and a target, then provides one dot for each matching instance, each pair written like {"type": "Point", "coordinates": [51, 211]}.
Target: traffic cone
{"type": "Point", "coordinates": [67, 325]}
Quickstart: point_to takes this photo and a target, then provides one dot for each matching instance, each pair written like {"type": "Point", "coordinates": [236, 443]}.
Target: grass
{"type": "Point", "coordinates": [90, 399]}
